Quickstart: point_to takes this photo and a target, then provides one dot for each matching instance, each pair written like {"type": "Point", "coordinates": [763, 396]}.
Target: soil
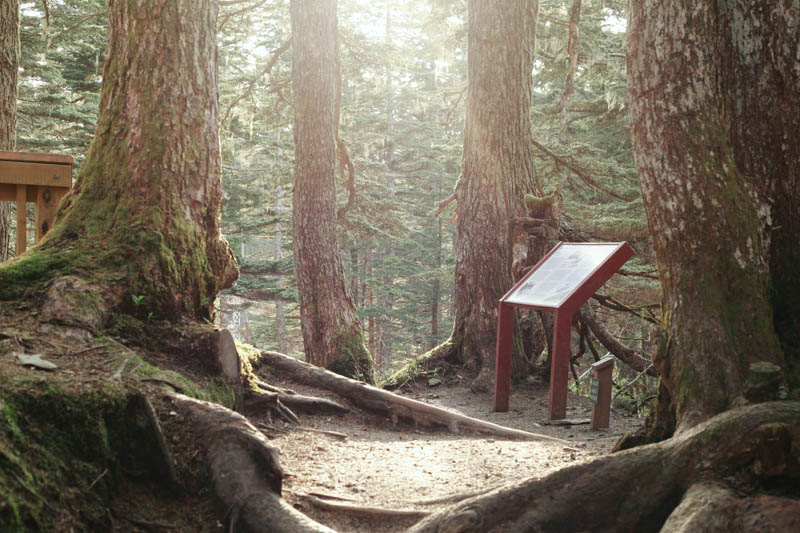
{"type": "Point", "coordinates": [375, 464]}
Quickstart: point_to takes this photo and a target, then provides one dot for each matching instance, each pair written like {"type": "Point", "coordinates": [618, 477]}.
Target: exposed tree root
{"type": "Point", "coordinates": [361, 510]}
{"type": "Point", "coordinates": [140, 403]}
{"type": "Point", "coordinates": [310, 405]}
{"type": "Point", "coordinates": [334, 434]}
{"type": "Point", "coordinates": [268, 402]}
{"type": "Point", "coordinates": [392, 405]}
{"type": "Point", "coordinates": [712, 507]}
{"type": "Point", "coordinates": [245, 469]}
{"type": "Point", "coordinates": [272, 388]}
{"type": "Point", "coordinates": [752, 449]}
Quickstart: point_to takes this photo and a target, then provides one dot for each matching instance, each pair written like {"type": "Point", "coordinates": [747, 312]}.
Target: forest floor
{"type": "Point", "coordinates": [382, 466]}
{"type": "Point", "coordinates": [371, 464]}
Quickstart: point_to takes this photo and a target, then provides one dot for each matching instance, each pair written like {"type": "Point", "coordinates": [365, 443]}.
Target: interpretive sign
{"type": "Point", "coordinates": [562, 281]}
{"type": "Point", "coordinates": [563, 271]}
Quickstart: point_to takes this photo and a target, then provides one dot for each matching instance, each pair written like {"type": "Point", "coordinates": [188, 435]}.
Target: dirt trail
{"type": "Point", "coordinates": [379, 465]}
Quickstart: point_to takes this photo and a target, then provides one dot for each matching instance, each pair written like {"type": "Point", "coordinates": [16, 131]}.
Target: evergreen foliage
{"type": "Point", "coordinates": [402, 118]}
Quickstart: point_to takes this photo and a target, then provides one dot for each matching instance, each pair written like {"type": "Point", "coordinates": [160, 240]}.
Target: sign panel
{"type": "Point", "coordinates": [560, 274]}
{"type": "Point", "coordinates": [595, 387]}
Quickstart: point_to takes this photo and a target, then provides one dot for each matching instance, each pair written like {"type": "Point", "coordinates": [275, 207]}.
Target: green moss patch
{"type": "Point", "coordinates": [54, 448]}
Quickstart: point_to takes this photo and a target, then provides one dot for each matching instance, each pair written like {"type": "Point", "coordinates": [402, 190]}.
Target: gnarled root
{"type": "Point", "coordinates": [756, 447]}
{"type": "Point", "coordinates": [246, 470]}
{"type": "Point", "coordinates": [391, 405]}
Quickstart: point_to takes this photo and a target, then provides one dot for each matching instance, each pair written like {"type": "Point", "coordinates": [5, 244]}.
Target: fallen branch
{"type": "Point", "coordinates": [614, 304]}
{"type": "Point", "coordinates": [624, 353]}
{"type": "Point", "coordinates": [631, 382]}
{"type": "Point", "coordinates": [389, 404]}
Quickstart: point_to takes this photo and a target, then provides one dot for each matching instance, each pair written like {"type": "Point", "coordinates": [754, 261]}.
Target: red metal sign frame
{"type": "Point", "coordinates": [559, 365]}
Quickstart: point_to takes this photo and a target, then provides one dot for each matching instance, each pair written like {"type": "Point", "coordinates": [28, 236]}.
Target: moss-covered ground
{"type": "Point", "coordinates": [76, 453]}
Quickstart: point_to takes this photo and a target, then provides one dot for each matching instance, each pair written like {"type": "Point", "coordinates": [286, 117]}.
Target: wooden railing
{"type": "Point", "coordinates": [39, 178]}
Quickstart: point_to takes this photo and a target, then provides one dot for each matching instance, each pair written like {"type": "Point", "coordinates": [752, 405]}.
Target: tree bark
{"type": "Point", "coordinates": [142, 221]}
{"type": "Point", "coordinates": [9, 68]}
{"type": "Point", "coordinates": [714, 109]}
{"type": "Point", "coordinates": [497, 171]}
{"type": "Point", "coordinates": [332, 334]}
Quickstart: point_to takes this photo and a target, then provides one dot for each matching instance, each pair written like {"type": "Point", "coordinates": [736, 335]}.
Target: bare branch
{"type": "Point", "coordinates": [68, 30]}
{"type": "Point", "coordinates": [263, 72]}
{"type": "Point", "coordinates": [581, 173]}
{"type": "Point", "coordinates": [627, 355]}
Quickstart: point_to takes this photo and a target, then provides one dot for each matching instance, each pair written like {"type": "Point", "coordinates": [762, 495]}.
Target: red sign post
{"type": "Point", "coordinates": [562, 281]}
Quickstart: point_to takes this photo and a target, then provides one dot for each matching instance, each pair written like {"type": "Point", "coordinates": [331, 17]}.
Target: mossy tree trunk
{"type": "Point", "coordinates": [497, 171]}
{"type": "Point", "coordinates": [9, 66]}
{"type": "Point", "coordinates": [716, 117]}
{"type": "Point", "coordinates": [142, 220]}
{"type": "Point", "coordinates": [332, 335]}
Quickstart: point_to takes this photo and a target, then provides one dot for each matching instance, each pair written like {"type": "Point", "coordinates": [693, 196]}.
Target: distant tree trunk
{"type": "Point", "coordinates": [572, 50]}
{"type": "Point", "coordinates": [497, 171]}
{"type": "Point", "coordinates": [280, 317]}
{"type": "Point", "coordinates": [332, 334]}
{"type": "Point", "coordinates": [436, 285]}
{"type": "Point", "coordinates": [142, 221]}
{"type": "Point", "coordinates": [9, 67]}
{"type": "Point", "coordinates": [715, 110]}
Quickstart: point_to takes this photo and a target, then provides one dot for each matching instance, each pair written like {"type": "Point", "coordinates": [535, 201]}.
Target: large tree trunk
{"type": "Point", "coordinates": [142, 220]}
{"type": "Point", "coordinates": [497, 171]}
{"type": "Point", "coordinates": [716, 117]}
{"type": "Point", "coordinates": [332, 334]}
{"type": "Point", "coordinates": [9, 66]}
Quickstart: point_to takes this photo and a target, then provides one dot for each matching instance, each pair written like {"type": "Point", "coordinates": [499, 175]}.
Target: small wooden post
{"type": "Point", "coordinates": [559, 365]}
{"type": "Point", "coordinates": [22, 215]}
{"type": "Point", "coordinates": [601, 392]}
{"type": "Point", "coordinates": [502, 364]}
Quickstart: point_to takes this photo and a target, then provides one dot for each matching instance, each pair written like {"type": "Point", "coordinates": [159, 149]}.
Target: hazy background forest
{"type": "Point", "coordinates": [403, 90]}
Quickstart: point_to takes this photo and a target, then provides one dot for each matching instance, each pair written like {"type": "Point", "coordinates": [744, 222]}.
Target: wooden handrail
{"type": "Point", "coordinates": [40, 178]}
{"type": "Point", "coordinates": [53, 159]}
